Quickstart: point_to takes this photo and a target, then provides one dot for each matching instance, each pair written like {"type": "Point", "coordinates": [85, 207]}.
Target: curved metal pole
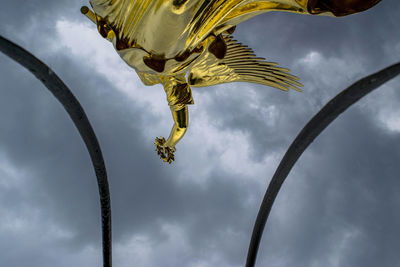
{"type": "Point", "coordinates": [313, 128]}
{"type": "Point", "coordinates": [78, 116]}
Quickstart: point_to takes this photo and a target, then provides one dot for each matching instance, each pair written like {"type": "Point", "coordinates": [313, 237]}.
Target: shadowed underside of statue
{"type": "Point", "coordinates": [166, 39]}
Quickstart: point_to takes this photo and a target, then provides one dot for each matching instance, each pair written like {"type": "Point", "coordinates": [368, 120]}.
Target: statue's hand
{"type": "Point", "coordinates": [165, 152]}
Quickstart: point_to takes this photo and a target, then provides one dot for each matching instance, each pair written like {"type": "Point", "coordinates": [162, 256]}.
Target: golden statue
{"type": "Point", "coordinates": [163, 40]}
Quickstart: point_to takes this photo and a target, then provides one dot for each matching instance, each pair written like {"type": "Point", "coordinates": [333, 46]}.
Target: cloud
{"type": "Point", "coordinates": [337, 208]}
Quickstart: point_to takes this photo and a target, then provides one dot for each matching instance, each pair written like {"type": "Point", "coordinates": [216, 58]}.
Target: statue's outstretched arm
{"type": "Point", "coordinates": [103, 28]}
{"type": "Point", "coordinates": [89, 14]}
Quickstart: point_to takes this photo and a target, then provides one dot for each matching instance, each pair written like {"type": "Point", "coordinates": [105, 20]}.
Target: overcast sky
{"type": "Point", "coordinates": [338, 207]}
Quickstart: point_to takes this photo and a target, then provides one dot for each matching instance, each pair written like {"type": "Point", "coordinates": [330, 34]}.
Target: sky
{"type": "Point", "coordinates": [338, 207]}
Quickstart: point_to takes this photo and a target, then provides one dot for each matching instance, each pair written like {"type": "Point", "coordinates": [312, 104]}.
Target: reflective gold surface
{"type": "Point", "coordinates": [163, 40]}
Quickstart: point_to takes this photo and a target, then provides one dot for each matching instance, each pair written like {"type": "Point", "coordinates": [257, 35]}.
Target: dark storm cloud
{"type": "Point", "coordinates": [19, 14]}
{"type": "Point", "coordinates": [292, 35]}
{"type": "Point", "coordinates": [338, 207]}
{"type": "Point", "coordinates": [284, 38]}
{"type": "Point", "coordinates": [345, 208]}
{"type": "Point", "coordinates": [38, 137]}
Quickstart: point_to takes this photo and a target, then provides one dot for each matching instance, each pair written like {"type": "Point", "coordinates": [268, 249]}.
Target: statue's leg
{"type": "Point", "coordinates": [179, 96]}
{"type": "Point", "coordinates": [181, 120]}
{"type": "Point", "coordinates": [166, 149]}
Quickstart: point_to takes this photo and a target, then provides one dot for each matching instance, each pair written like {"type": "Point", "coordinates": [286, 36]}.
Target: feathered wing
{"type": "Point", "coordinates": [240, 64]}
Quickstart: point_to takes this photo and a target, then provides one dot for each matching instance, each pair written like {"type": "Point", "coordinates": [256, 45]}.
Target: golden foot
{"type": "Point", "coordinates": [166, 153]}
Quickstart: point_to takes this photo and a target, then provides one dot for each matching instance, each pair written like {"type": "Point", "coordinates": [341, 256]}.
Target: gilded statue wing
{"type": "Point", "coordinates": [240, 64]}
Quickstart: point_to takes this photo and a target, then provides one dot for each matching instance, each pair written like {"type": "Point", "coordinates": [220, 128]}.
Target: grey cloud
{"type": "Point", "coordinates": [346, 189]}
{"type": "Point", "coordinates": [287, 37]}
{"type": "Point", "coordinates": [19, 14]}
{"type": "Point", "coordinates": [346, 182]}
{"type": "Point", "coordinates": [40, 139]}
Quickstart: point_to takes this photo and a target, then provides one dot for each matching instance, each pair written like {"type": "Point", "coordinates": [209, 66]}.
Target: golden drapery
{"type": "Point", "coordinates": [170, 26]}
{"type": "Point", "coordinates": [164, 39]}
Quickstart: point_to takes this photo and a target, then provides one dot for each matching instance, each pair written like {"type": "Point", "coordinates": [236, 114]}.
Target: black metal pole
{"type": "Point", "coordinates": [78, 116]}
{"type": "Point", "coordinates": [307, 135]}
